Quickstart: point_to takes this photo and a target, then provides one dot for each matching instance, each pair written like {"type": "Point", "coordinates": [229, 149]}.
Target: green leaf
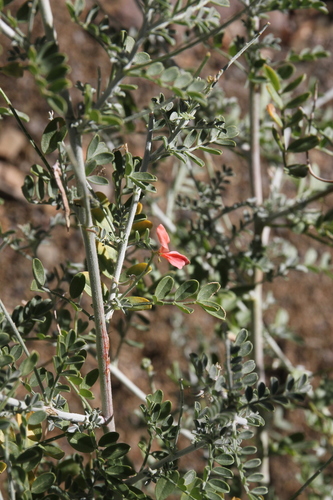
{"type": "Point", "coordinates": [218, 485]}
{"type": "Point", "coordinates": [164, 486]}
{"type": "Point", "coordinates": [212, 151]}
{"type": "Point", "coordinates": [43, 483]}
{"type": "Point", "coordinates": [141, 58]}
{"type": "Point", "coordinates": [277, 138]}
{"type": "Point", "coordinates": [256, 477]}
{"type": "Point", "coordinates": [30, 458]}
{"type": "Point", "coordinates": [14, 69]}
{"type": "Point", "coordinates": [298, 170]}
{"type": "Point", "coordinates": [224, 459]}
{"type": "Point", "coordinates": [223, 471]}
{"type": "Point", "coordinates": [297, 101]}
{"type": "Point", "coordinates": [143, 177]}
{"type": "Point", "coordinates": [183, 80]}
{"type": "Point", "coordinates": [251, 464]}
{"type": "Point", "coordinates": [155, 69]}
{"type": "Point", "coordinates": [295, 83]}
{"type": "Point", "coordinates": [260, 490]}
{"type": "Point", "coordinates": [103, 158]}
{"type": "Point", "coordinates": [241, 337]}
{"type": "Point", "coordinates": [245, 349]}
{"type": "Point", "coordinates": [91, 377]}
{"type": "Point", "coordinates": [164, 287]}
{"type": "Point", "coordinates": [86, 393]}
{"type": "Point", "coordinates": [97, 179]}
{"type": "Point", "coordinates": [190, 138]}
{"type": "Point", "coordinates": [286, 71]}
{"type": "Point", "coordinates": [93, 145]}
{"type": "Point", "coordinates": [54, 133]}
{"type": "Point", "coordinates": [108, 438]}
{"type": "Point", "coordinates": [57, 103]}
{"type": "Point", "coordinates": [120, 471]}
{"type": "Point", "coordinates": [304, 144]}
{"type": "Point", "coordinates": [248, 366]}
{"type": "Point", "coordinates": [219, 314]}
{"type": "Point", "coordinates": [77, 285]}
{"type": "Point", "coordinates": [209, 305]}
{"type": "Point", "coordinates": [4, 338]}
{"type": "Point", "coordinates": [208, 290]}
{"type": "Point", "coordinates": [82, 442]}
{"type": "Point", "coordinates": [250, 379]}
{"type": "Point", "coordinates": [8, 112]}
{"type": "Point", "coordinates": [128, 86]}
{"type": "Point", "coordinates": [139, 303]}
{"type": "Point", "coordinates": [275, 96]}
{"type": "Point", "coordinates": [184, 309]}
{"type": "Point", "coordinates": [29, 363]}
{"type": "Point", "coordinates": [194, 158]}
{"type": "Point", "coordinates": [115, 451]}
{"type": "Point", "coordinates": [53, 451]}
{"type": "Point", "coordinates": [186, 290]}
{"type": "Point", "coordinates": [37, 417]}
{"type": "Point", "coordinates": [38, 272]}
{"type": "Point", "coordinates": [5, 360]}
{"type": "Point", "coordinates": [273, 77]}
{"type": "Point", "coordinates": [138, 269]}
{"type": "Point", "coordinates": [169, 75]}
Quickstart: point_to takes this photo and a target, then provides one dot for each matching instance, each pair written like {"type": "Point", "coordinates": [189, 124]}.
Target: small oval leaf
{"type": "Point", "coordinates": [186, 290]}
{"type": "Point", "coordinates": [43, 483]}
{"type": "Point", "coordinates": [38, 272]}
{"type": "Point", "coordinates": [54, 133]}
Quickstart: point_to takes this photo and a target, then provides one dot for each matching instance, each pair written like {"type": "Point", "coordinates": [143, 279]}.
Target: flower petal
{"type": "Point", "coordinates": [175, 258]}
{"type": "Point", "coordinates": [163, 237]}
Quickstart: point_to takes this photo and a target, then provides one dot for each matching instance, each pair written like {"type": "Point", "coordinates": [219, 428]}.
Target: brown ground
{"type": "Point", "coordinates": [307, 297]}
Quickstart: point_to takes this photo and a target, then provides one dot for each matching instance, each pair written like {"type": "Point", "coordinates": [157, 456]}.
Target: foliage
{"type": "Point", "coordinates": [187, 121]}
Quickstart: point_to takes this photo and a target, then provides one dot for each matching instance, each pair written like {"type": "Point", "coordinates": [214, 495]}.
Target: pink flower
{"type": "Point", "coordinates": [175, 258]}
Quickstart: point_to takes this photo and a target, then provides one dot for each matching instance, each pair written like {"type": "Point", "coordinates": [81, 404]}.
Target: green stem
{"type": "Point", "coordinates": [69, 301]}
{"type": "Point", "coordinates": [228, 364]}
{"type": "Point", "coordinates": [168, 459]}
{"type": "Point", "coordinates": [138, 278]}
{"type": "Point", "coordinates": [121, 71]}
{"type": "Point", "coordinates": [309, 481]}
{"type": "Point", "coordinates": [26, 133]}
{"type": "Point", "coordinates": [299, 205]}
{"type": "Point", "coordinates": [131, 215]}
{"type": "Point", "coordinates": [199, 39]}
{"type": "Point", "coordinates": [21, 341]}
{"type": "Point", "coordinates": [181, 409]}
{"type": "Point", "coordinates": [147, 452]}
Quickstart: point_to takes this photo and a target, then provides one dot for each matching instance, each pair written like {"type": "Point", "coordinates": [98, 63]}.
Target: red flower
{"type": "Point", "coordinates": [175, 258]}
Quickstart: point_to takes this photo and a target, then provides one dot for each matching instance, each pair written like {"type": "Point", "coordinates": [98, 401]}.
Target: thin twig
{"type": "Point", "coordinates": [127, 382]}
{"type": "Point", "coordinates": [21, 341]}
{"type": "Point", "coordinates": [168, 459]}
{"type": "Point", "coordinates": [131, 215]}
{"type": "Point", "coordinates": [10, 33]}
{"type": "Point", "coordinates": [57, 175]}
{"type": "Point", "coordinates": [309, 481]}
{"type": "Point", "coordinates": [139, 393]}
{"type": "Point", "coordinates": [327, 181]}
{"type": "Point", "coordinates": [235, 57]}
{"type": "Point", "coordinates": [51, 412]}
{"type": "Point", "coordinates": [25, 131]}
